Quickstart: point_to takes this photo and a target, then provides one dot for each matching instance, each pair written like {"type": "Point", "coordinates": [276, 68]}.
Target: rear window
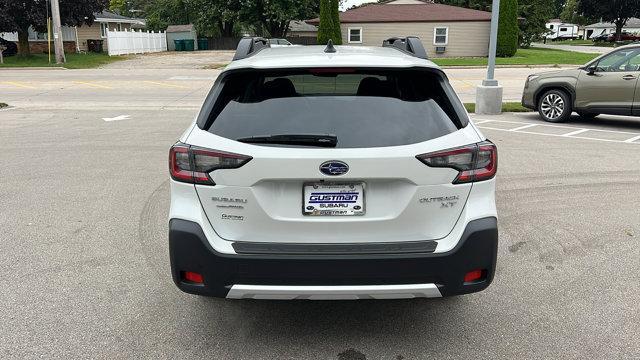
{"type": "Point", "coordinates": [362, 108]}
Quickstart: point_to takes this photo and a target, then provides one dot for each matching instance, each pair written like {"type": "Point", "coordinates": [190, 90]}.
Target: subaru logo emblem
{"type": "Point", "coordinates": [334, 168]}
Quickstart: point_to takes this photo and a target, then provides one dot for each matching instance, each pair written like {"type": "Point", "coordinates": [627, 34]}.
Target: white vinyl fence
{"type": "Point", "coordinates": [135, 42]}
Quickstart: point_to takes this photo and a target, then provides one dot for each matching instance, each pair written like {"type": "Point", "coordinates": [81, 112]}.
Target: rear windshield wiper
{"type": "Point", "coordinates": [293, 139]}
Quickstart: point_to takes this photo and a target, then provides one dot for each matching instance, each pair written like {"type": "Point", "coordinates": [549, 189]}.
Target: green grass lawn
{"type": "Point", "coordinates": [530, 56]}
{"type": "Point", "coordinates": [570, 42]}
{"type": "Point", "coordinates": [74, 61]}
{"type": "Point", "coordinates": [506, 107]}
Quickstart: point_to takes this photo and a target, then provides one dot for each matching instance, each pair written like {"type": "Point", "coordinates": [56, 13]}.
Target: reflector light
{"type": "Point", "coordinates": [473, 276]}
{"type": "Point", "coordinates": [193, 164]}
{"type": "Point", "coordinates": [475, 162]}
{"type": "Point", "coordinates": [192, 277]}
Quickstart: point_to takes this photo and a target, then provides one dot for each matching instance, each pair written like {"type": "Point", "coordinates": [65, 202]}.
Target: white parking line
{"type": "Point", "coordinates": [574, 132]}
{"type": "Point", "coordinates": [632, 139]}
{"type": "Point", "coordinates": [523, 127]}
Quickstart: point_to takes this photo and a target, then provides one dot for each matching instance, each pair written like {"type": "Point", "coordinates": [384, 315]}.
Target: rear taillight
{"type": "Point", "coordinates": [193, 164]}
{"type": "Point", "coordinates": [475, 162]}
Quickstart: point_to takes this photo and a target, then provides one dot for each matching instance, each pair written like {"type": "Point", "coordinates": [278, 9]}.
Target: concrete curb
{"type": "Point", "coordinates": [33, 68]}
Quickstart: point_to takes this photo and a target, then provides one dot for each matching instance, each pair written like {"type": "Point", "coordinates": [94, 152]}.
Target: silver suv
{"type": "Point", "coordinates": [606, 85]}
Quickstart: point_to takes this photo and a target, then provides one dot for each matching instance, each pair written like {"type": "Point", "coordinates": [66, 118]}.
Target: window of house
{"type": "Point", "coordinates": [441, 36]}
{"type": "Point", "coordinates": [355, 35]}
{"type": "Point", "coordinates": [103, 29]}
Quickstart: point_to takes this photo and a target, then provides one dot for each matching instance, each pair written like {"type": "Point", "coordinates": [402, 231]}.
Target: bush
{"type": "Point", "coordinates": [325, 29]}
{"type": "Point", "coordinates": [335, 17]}
{"type": "Point", "coordinates": [508, 28]}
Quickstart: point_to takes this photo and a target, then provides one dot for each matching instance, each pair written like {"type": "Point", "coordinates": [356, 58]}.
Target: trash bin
{"type": "Point", "coordinates": [188, 44]}
{"type": "Point", "coordinates": [203, 44]}
{"type": "Point", "coordinates": [94, 45]}
{"type": "Point", "coordinates": [179, 45]}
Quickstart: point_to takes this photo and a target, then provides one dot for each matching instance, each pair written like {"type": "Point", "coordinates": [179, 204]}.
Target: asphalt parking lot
{"type": "Point", "coordinates": [83, 209]}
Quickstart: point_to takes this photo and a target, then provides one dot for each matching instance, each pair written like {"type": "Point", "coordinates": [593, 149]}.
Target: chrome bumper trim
{"type": "Point", "coordinates": [348, 292]}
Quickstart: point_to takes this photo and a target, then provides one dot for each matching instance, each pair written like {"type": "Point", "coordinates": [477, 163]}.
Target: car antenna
{"type": "Point", "coordinates": [330, 48]}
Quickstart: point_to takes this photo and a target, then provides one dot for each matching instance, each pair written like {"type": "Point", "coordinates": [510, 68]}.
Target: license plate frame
{"type": "Point", "coordinates": [341, 192]}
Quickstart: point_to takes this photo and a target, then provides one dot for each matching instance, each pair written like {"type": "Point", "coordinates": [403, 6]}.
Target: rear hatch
{"type": "Point", "coordinates": [330, 156]}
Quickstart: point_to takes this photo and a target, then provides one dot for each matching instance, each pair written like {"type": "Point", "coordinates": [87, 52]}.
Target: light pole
{"type": "Point", "coordinates": [489, 94]}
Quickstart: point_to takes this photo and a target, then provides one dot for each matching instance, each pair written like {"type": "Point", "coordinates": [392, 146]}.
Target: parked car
{"type": "Point", "coordinates": [11, 47]}
{"type": "Point", "coordinates": [600, 38]}
{"type": "Point", "coordinates": [339, 172]}
{"type": "Point", "coordinates": [625, 36]}
{"type": "Point", "coordinates": [606, 85]}
{"type": "Point", "coordinates": [280, 43]}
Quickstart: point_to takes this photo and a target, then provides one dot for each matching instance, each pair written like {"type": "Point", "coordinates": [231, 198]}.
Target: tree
{"type": "Point", "coordinates": [535, 14]}
{"type": "Point", "coordinates": [274, 16]}
{"type": "Point", "coordinates": [617, 12]}
{"type": "Point", "coordinates": [557, 6]}
{"type": "Point", "coordinates": [18, 16]}
{"type": "Point", "coordinates": [216, 17]}
{"type": "Point", "coordinates": [162, 13]}
{"type": "Point", "coordinates": [571, 14]}
{"type": "Point", "coordinates": [335, 21]}
{"type": "Point", "coordinates": [508, 29]}
{"type": "Point", "coordinates": [325, 29]}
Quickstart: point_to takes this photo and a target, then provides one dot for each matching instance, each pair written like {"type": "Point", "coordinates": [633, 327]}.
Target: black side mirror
{"type": "Point", "coordinates": [591, 70]}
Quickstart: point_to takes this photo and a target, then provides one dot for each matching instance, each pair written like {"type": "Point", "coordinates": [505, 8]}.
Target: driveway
{"type": "Point", "coordinates": [204, 59]}
{"type": "Point", "coordinates": [589, 49]}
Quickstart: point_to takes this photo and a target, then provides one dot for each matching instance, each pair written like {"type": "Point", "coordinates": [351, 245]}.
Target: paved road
{"type": "Point", "coordinates": [83, 206]}
{"type": "Point", "coordinates": [588, 49]}
{"type": "Point", "coordinates": [166, 88]}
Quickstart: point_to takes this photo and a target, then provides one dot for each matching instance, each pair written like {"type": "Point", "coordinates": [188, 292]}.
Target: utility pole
{"type": "Point", "coordinates": [57, 32]}
{"type": "Point", "coordinates": [489, 94]}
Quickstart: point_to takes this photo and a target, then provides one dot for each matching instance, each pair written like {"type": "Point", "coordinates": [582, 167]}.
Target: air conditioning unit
{"type": "Point", "coordinates": [441, 49]}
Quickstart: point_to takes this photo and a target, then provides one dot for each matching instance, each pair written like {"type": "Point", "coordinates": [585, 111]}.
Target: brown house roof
{"type": "Point", "coordinates": [427, 12]}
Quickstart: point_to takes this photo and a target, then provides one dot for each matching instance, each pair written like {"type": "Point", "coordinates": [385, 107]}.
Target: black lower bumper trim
{"type": "Point", "coordinates": [190, 251]}
{"type": "Point", "coordinates": [335, 249]}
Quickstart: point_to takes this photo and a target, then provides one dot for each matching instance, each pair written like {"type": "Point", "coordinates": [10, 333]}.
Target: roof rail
{"type": "Point", "coordinates": [249, 46]}
{"type": "Point", "coordinates": [410, 45]}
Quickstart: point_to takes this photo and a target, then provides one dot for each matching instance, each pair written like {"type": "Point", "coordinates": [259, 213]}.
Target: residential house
{"type": "Point", "coordinates": [299, 28]}
{"type": "Point", "coordinates": [104, 21]}
{"type": "Point", "coordinates": [602, 28]}
{"type": "Point", "coordinates": [75, 38]}
{"type": "Point", "coordinates": [445, 31]}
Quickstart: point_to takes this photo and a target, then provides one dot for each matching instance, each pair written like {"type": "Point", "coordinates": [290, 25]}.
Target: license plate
{"type": "Point", "coordinates": [333, 199]}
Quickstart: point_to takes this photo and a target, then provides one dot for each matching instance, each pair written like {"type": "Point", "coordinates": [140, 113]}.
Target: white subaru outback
{"type": "Point", "coordinates": [342, 172]}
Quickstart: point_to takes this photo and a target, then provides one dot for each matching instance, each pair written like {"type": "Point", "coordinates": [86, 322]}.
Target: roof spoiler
{"type": "Point", "coordinates": [249, 46]}
{"type": "Point", "coordinates": [410, 45]}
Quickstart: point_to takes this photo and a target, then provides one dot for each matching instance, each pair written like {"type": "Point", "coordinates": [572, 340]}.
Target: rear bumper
{"type": "Point", "coordinates": [333, 276]}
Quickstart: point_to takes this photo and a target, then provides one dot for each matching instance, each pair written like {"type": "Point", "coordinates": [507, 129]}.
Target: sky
{"type": "Point", "coordinates": [349, 3]}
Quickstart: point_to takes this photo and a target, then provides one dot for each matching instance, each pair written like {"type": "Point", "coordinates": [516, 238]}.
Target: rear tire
{"type": "Point", "coordinates": [554, 106]}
